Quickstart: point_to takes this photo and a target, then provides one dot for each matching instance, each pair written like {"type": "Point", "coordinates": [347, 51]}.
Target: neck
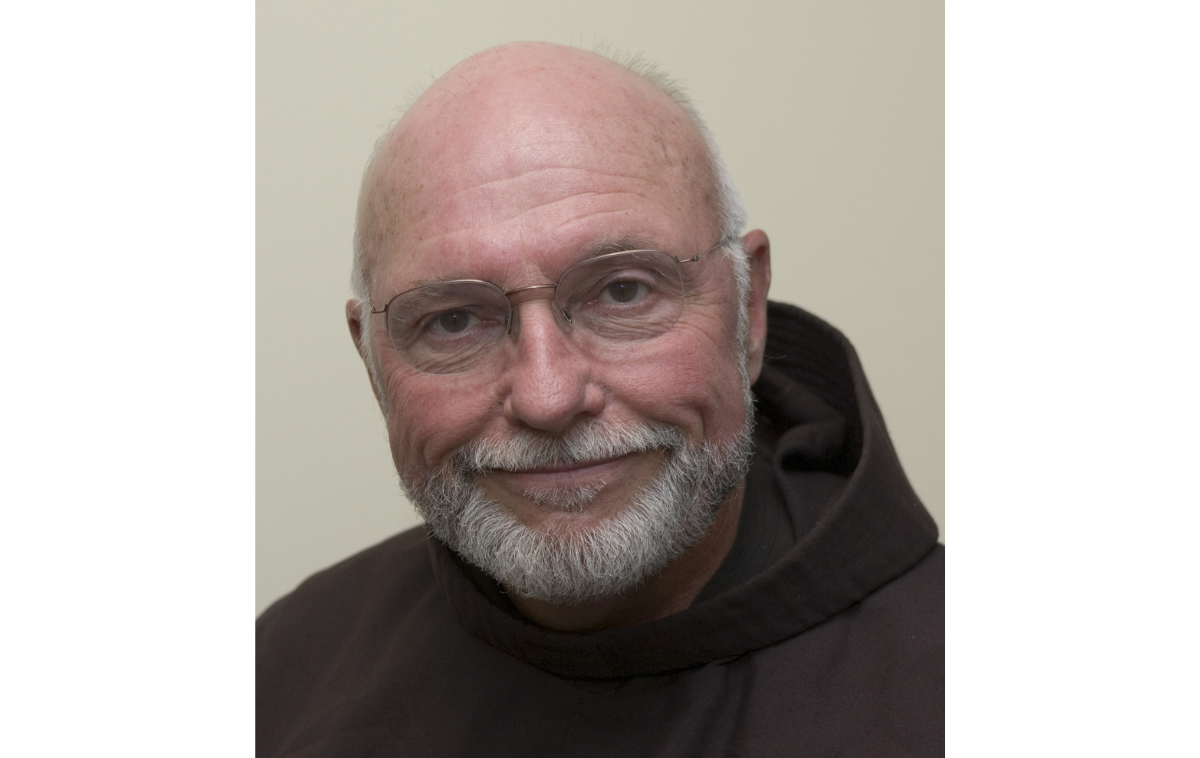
{"type": "Point", "coordinates": [669, 591]}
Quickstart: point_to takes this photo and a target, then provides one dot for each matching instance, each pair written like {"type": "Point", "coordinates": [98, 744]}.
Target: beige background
{"type": "Point", "coordinates": [830, 115]}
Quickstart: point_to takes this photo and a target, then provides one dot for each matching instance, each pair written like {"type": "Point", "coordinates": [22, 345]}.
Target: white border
{"type": "Point", "coordinates": [128, 300]}
{"type": "Point", "coordinates": [1072, 204]}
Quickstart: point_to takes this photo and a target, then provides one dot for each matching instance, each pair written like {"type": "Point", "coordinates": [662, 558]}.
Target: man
{"type": "Point", "coordinates": [628, 552]}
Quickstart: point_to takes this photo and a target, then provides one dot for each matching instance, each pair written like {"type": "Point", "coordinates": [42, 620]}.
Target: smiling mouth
{"type": "Point", "coordinates": [594, 474]}
{"type": "Point", "coordinates": [567, 487]}
{"type": "Point", "coordinates": [567, 467]}
{"type": "Point", "coordinates": [594, 487]}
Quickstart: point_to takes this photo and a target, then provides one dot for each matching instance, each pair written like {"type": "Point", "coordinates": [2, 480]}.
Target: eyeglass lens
{"type": "Point", "coordinates": [453, 327]}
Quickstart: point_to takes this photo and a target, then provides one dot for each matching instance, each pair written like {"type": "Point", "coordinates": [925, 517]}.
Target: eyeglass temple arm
{"type": "Point", "coordinates": [698, 256]}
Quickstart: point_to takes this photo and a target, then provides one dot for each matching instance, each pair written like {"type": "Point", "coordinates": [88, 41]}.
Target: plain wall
{"type": "Point", "coordinates": [829, 114]}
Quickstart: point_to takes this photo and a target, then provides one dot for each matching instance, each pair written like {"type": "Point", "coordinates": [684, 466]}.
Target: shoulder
{"type": "Point", "coordinates": [328, 602]}
{"type": "Point", "coordinates": [902, 624]}
{"type": "Point", "coordinates": [325, 639]}
{"type": "Point", "coordinates": [870, 679]}
{"type": "Point", "coordinates": [919, 593]}
{"type": "Point", "coordinates": [893, 640]}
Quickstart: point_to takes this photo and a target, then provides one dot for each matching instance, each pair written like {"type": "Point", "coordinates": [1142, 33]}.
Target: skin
{"type": "Point", "coordinates": [511, 167]}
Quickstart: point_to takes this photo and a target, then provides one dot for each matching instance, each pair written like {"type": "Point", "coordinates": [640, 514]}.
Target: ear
{"type": "Point", "coordinates": [361, 330]}
{"type": "Point", "coordinates": [758, 253]}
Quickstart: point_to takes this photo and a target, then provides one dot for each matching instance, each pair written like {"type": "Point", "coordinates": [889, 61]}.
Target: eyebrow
{"type": "Point", "coordinates": [621, 244]}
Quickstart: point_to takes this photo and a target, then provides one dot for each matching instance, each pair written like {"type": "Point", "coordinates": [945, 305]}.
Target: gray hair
{"type": "Point", "coordinates": [729, 205]}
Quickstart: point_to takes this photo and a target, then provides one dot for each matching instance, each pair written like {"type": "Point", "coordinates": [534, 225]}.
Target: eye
{"type": "Point", "coordinates": [455, 324]}
{"type": "Point", "coordinates": [451, 322]}
{"type": "Point", "coordinates": [625, 291]}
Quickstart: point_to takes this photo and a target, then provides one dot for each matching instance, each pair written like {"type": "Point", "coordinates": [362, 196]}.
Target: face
{"type": "Point", "coordinates": [515, 199]}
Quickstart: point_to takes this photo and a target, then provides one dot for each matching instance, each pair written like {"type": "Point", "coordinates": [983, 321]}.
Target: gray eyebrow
{"type": "Point", "coordinates": [619, 245]}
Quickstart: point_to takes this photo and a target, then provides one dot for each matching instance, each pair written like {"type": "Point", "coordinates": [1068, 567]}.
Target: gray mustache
{"type": "Point", "coordinates": [526, 449]}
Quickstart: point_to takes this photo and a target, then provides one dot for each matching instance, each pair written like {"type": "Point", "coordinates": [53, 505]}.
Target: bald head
{"type": "Point", "coordinates": [523, 116]}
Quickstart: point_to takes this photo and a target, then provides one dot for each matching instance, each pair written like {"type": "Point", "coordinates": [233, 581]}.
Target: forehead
{"type": "Point", "coordinates": [520, 178]}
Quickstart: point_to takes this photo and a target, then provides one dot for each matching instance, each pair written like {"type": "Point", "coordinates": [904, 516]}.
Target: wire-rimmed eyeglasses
{"type": "Point", "coordinates": [606, 301]}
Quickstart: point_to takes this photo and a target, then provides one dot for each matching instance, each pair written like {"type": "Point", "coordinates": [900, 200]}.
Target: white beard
{"type": "Point", "coordinates": [570, 565]}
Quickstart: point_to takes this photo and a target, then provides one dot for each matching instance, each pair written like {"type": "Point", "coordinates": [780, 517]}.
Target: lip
{"type": "Point", "coordinates": [565, 473]}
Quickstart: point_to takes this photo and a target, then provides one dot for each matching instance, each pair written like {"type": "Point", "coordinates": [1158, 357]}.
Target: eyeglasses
{"type": "Point", "coordinates": [605, 302]}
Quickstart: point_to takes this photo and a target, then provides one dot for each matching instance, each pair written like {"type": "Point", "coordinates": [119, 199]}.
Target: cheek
{"type": "Point", "coordinates": [684, 379]}
{"type": "Point", "coordinates": [431, 416]}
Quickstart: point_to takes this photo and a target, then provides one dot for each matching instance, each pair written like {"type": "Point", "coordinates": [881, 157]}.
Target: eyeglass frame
{"type": "Point", "coordinates": [558, 306]}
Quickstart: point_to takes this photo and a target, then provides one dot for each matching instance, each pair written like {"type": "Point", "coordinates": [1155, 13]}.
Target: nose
{"type": "Point", "coordinates": [550, 382]}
